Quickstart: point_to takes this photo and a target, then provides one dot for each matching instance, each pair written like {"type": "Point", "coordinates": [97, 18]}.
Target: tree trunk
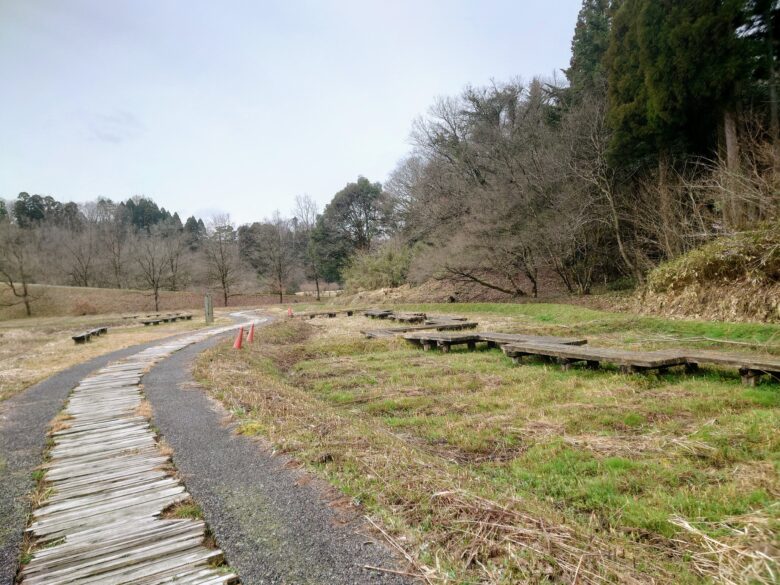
{"type": "Point", "coordinates": [665, 207]}
{"type": "Point", "coordinates": [774, 123]}
{"type": "Point", "coordinates": [733, 209]}
{"type": "Point", "coordinates": [225, 295]}
{"type": "Point", "coordinates": [317, 284]}
{"type": "Point", "coordinates": [26, 293]}
{"type": "Point", "coordinates": [156, 299]}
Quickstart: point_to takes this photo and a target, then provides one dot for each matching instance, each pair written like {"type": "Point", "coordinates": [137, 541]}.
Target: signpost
{"type": "Point", "coordinates": [209, 309]}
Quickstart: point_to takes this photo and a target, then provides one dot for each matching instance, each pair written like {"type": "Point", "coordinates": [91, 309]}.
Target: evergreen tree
{"type": "Point", "coordinates": [674, 70]}
{"type": "Point", "coordinates": [589, 46]}
{"type": "Point", "coordinates": [633, 138]}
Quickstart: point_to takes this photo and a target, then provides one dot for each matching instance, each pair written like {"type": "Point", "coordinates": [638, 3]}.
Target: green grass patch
{"type": "Point", "coordinates": [436, 444]}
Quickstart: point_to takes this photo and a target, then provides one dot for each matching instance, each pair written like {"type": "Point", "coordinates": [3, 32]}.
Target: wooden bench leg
{"type": "Point", "coordinates": [691, 368]}
{"type": "Point", "coordinates": [444, 347]}
{"type": "Point", "coordinates": [472, 345]}
{"type": "Point", "coordinates": [628, 369]}
{"type": "Point", "coordinates": [427, 345]}
{"type": "Point", "coordinates": [749, 377]}
{"type": "Point", "coordinates": [592, 365]}
{"type": "Point", "coordinates": [663, 371]}
{"type": "Point", "coordinates": [492, 345]}
{"type": "Point", "coordinates": [518, 358]}
{"type": "Point", "coordinates": [566, 363]}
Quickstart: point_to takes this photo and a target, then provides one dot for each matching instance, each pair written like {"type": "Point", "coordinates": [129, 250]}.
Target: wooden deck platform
{"type": "Point", "coordinates": [751, 367]}
{"type": "Point", "coordinates": [170, 318]}
{"type": "Point", "coordinates": [435, 326]}
{"type": "Point", "coordinates": [627, 361]}
{"type": "Point", "coordinates": [377, 313]}
{"type": "Point", "coordinates": [101, 519]}
{"type": "Point", "coordinates": [444, 341]}
{"type": "Point", "coordinates": [326, 313]}
{"type": "Point", "coordinates": [408, 317]}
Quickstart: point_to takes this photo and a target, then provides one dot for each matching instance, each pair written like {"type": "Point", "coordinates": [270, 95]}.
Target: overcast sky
{"type": "Point", "coordinates": [238, 106]}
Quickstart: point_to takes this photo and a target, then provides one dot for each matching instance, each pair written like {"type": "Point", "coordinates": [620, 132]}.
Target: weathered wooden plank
{"type": "Point", "coordinates": [64, 558]}
{"type": "Point", "coordinates": [108, 491]}
{"type": "Point", "coordinates": [637, 359]}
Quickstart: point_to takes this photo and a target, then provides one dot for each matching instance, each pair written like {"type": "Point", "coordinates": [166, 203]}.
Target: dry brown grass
{"type": "Point", "coordinates": [34, 349]}
{"type": "Point", "coordinates": [144, 409]}
{"type": "Point", "coordinates": [60, 422]}
{"type": "Point", "coordinates": [61, 301]}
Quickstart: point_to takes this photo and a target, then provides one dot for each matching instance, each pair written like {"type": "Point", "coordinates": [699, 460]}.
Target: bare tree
{"type": "Point", "coordinates": [152, 255]}
{"type": "Point", "coordinates": [306, 213]}
{"type": "Point", "coordinates": [83, 254]}
{"type": "Point", "coordinates": [18, 254]}
{"type": "Point", "coordinates": [221, 252]}
{"type": "Point", "coordinates": [271, 251]}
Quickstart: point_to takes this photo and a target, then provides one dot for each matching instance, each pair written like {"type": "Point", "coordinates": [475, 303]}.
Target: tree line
{"type": "Point", "coordinates": [136, 244]}
{"type": "Point", "coordinates": [662, 134]}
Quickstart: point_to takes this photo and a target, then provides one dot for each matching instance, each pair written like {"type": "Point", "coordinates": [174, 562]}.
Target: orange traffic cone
{"type": "Point", "coordinates": [251, 337]}
{"type": "Point", "coordinates": [239, 338]}
{"type": "Point", "coordinates": [289, 312]}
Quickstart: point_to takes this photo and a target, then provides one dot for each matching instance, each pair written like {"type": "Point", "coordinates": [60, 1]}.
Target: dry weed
{"type": "Point", "coordinates": [748, 554]}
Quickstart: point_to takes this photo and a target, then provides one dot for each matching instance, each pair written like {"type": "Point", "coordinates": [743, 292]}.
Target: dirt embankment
{"type": "Point", "coordinates": [735, 278]}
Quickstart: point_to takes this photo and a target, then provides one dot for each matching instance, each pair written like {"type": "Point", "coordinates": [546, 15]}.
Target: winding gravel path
{"type": "Point", "coordinates": [24, 420]}
{"type": "Point", "coordinates": [274, 524]}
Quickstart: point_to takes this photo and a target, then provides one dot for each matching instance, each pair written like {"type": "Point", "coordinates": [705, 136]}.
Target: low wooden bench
{"type": "Point", "coordinates": [445, 341]}
{"type": "Point", "coordinates": [392, 331]}
{"type": "Point", "coordinates": [81, 337]}
{"type": "Point", "coordinates": [408, 317]}
{"type": "Point", "coordinates": [627, 361]}
{"type": "Point", "coordinates": [751, 368]}
{"type": "Point", "coordinates": [87, 335]}
{"type": "Point", "coordinates": [148, 322]}
{"type": "Point", "coordinates": [328, 313]}
{"type": "Point", "coordinates": [377, 313]}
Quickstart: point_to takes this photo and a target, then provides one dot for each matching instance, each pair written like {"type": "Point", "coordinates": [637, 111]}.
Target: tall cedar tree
{"type": "Point", "coordinates": [588, 47]}
{"type": "Point", "coordinates": [674, 71]}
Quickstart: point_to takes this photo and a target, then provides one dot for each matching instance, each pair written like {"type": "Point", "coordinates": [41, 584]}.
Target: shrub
{"type": "Point", "coordinates": [384, 267]}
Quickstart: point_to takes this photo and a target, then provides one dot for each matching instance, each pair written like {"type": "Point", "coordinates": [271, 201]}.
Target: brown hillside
{"type": "Point", "coordinates": [56, 301]}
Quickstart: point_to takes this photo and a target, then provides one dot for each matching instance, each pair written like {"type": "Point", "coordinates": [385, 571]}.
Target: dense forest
{"type": "Point", "coordinates": [663, 135]}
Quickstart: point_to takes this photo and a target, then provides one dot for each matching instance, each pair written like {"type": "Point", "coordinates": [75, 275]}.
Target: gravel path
{"type": "Point", "coordinates": [274, 524]}
{"type": "Point", "coordinates": [23, 424]}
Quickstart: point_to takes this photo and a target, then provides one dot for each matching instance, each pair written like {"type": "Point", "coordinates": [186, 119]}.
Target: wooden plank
{"type": "Point", "coordinates": [108, 490]}
{"type": "Point", "coordinates": [636, 359]}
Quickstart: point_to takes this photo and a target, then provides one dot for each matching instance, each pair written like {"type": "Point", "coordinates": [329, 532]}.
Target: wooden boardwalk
{"type": "Point", "coordinates": [430, 325]}
{"type": "Point", "coordinates": [444, 341]}
{"type": "Point", "coordinates": [107, 486]}
{"type": "Point", "coordinates": [750, 367]}
{"type": "Point", "coordinates": [571, 350]}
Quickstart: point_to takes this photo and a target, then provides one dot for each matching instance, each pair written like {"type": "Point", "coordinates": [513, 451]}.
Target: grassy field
{"type": "Point", "coordinates": [32, 349]}
{"type": "Point", "coordinates": [487, 472]}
